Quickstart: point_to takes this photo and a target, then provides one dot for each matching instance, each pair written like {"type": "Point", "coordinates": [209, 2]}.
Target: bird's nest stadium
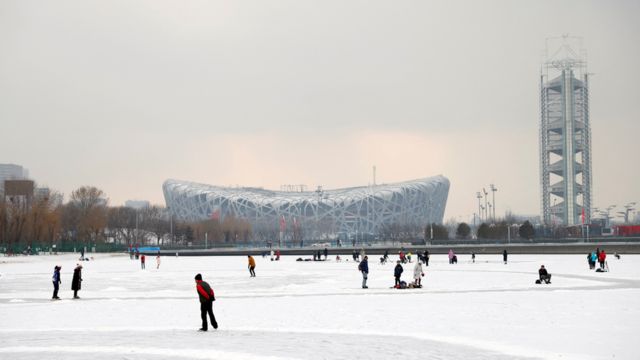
{"type": "Point", "coordinates": [322, 213]}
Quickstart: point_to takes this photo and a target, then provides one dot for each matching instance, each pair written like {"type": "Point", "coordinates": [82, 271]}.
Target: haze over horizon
{"type": "Point", "coordinates": [123, 95]}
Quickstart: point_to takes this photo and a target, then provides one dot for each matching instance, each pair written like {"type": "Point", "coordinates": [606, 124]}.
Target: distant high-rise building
{"type": "Point", "coordinates": [137, 204]}
{"type": "Point", "coordinates": [11, 172]}
{"type": "Point", "coordinates": [565, 135]}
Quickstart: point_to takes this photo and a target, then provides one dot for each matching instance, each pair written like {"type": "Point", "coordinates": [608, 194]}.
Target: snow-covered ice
{"type": "Point", "coordinates": [317, 310]}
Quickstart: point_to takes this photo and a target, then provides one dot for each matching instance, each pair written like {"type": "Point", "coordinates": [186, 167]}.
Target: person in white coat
{"type": "Point", "coordinates": [418, 273]}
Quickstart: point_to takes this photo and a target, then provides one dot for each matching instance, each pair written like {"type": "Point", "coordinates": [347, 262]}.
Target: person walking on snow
{"type": "Point", "coordinates": [252, 266]}
{"type": "Point", "coordinates": [207, 297]}
{"type": "Point", "coordinates": [602, 258]}
{"type": "Point", "coordinates": [504, 256]}
{"type": "Point", "coordinates": [364, 268]}
{"type": "Point", "coordinates": [418, 273]}
{"type": "Point", "coordinates": [142, 260]}
{"type": "Point", "coordinates": [397, 272]}
{"type": "Point", "coordinates": [76, 282]}
{"type": "Point", "coordinates": [56, 282]}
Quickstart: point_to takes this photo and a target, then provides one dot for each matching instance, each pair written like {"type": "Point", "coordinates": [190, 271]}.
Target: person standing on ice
{"type": "Point", "coordinates": [602, 258]}
{"type": "Point", "coordinates": [142, 260]}
{"type": "Point", "coordinates": [207, 297]}
{"type": "Point", "coordinates": [76, 282]}
{"type": "Point", "coordinates": [326, 253]}
{"type": "Point", "coordinates": [418, 273]}
{"type": "Point", "coordinates": [56, 282]}
{"type": "Point", "coordinates": [252, 266]}
{"type": "Point", "coordinates": [364, 269]}
{"type": "Point", "coordinates": [397, 272]}
{"type": "Point", "coordinates": [451, 255]}
{"type": "Point", "coordinates": [158, 261]}
{"type": "Point", "coordinates": [504, 256]}
{"type": "Point", "coordinates": [426, 258]}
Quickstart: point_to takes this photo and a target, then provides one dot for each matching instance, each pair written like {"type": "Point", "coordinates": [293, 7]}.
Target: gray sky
{"type": "Point", "coordinates": [125, 94]}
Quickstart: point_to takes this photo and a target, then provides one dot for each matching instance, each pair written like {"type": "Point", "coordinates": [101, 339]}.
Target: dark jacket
{"type": "Point", "coordinates": [205, 292]}
{"type": "Point", "coordinates": [76, 282]}
{"type": "Point", "coordinates": [398, 270]}
{"type": "Point", "coordinates": [56, 276]}
{"type": "Point", "coordinates": [543, 272]}
{"type": "Point", "coordinates": [504, 255]}
{"type": "Point", "coordinates": [364, 266]}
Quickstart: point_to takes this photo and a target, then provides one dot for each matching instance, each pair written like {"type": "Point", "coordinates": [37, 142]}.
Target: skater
{"type": "Point", "coordinates": [207, 297]}
{"type": "Point", "coordinates": [252, 266]}
{"type": "Point", "coordinates": [278, 255]}
{"type": "Point", "coordinates": [142, 260]}
{"type": "Point", "coordinates": [76, 282]}
{"type": "Point", "coordinates": [403, 258]}
{"type": "Point", "coordinates": [364, 269]}
{"type": "Point", "coordinates": [386, 256]}
{"type": "Point", "coordinates": [397, 272]}
{"type": "Point", "coordinates": [130, 252]}
{"type": "Point", "coordinates": [271, 254]}
{"type": "Point", "coordinates": [544, 275]}
{"type": "Point", "coordinates": [409, 256]}
{"type": "Point", "coordinates": [158, 261]}
{"type": "Point", "coordinates": [602, 258]}
{"type": "Point", "coordinates": [326, 253]}
{"type": "Point", "coordinates": [82, 254]}
{"type": "Point", "coordinates": [594, 259]}
{"type": "Point", "coordinates": [354, 255]}
{"type": "Point", "coordinates": [338, 258]}
{"type": "Point", "coordinates": [473, 257]}
{"type": "Point", "coordinates": [504, 256]}
{"type": "Point", "coordinates": [418, 274]}
{"type": "Point", "coordinates": [451, 255]}
{"type": "Point", "coordinates": [426, 257]}
{"type": "Point", "coordinates": [56, 282]}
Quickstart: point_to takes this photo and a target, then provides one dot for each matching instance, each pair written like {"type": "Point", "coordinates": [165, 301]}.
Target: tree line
{"type": "Point", "coordinates": [87, 219]}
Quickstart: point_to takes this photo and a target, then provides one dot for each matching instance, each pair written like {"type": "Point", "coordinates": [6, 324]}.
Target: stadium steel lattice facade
{"type": "Point", "coordinates": [363, 210]}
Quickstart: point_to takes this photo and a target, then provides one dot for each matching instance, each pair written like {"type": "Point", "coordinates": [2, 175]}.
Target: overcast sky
{"type": "Point", "coordinates": [125, 94]}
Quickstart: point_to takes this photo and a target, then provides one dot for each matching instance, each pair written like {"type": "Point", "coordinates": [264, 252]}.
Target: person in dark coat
{"type": "Point", "coordinates": [56, 282]}
{"type": "Point", "coordinates": [326, 253]}
{"type": "Point", "coordinates": [504, 256]}
{"type": "Point", "coordinates": [76, 282]}
{"type": "Point", "coordinates": [364, 269]}
{"type": "Point", "coordinates": [544, 275]}
{"type": "Point", "coordinates": [397, 272]}
{"type": "Point", "coordinates": [207, 297]}
{"type": "Point", "coordinates": [426, 257]}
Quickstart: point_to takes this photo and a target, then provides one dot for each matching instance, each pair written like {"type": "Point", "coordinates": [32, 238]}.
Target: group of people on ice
{"type": "Point", "coordinates": [599, 256]}
{"type": "Point", "coordinates": [76, 281]}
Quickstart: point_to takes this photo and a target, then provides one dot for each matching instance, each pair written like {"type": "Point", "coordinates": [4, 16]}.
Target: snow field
{"type": "Point", "coordinates": [317, 310]}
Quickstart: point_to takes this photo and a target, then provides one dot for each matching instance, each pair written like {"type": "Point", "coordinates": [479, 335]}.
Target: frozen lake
{"type": "Point", "coordinates": [318, 310]}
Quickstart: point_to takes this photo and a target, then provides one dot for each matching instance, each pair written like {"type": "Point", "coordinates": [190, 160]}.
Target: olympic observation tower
{"type": "Point", "coordinates": [565, 134]}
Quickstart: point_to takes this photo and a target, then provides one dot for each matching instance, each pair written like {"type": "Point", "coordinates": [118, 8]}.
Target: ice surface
{"type": "Point", "coordinates": [317, 310]}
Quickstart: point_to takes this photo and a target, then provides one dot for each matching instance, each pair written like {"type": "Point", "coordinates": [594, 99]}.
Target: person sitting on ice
{"type": "Point", "coordinates": [544, 275]}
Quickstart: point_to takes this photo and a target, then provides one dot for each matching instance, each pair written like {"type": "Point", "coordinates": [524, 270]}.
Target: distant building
{"type": "Point", "coordinates": [137, 204]}
{"type": "Point", "coordinates": [11, 172]}
{"type": "Point", "coordinates": [565, 134]}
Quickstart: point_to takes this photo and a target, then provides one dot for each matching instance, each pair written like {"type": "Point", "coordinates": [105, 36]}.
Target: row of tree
{"type": "Point", "coordinates": [88, 219]}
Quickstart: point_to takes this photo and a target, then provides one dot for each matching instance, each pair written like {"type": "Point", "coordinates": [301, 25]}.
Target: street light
{"type": "Point", "coordinates": [486, 214]}
{"type": "Point", "coordinates": [493, 191]}
{"type": "Point", "coordinates": [479, 196]}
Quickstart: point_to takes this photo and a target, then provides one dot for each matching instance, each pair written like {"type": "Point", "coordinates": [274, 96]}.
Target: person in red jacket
{"type": "Point", "coordinates": [142, 260]}
{"type": "Point", "coordinates": [207, 297]}
{"type": "Point", "coordinates": [601, 259]}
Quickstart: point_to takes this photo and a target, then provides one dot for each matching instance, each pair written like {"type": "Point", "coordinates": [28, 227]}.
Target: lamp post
{"type": "Point", "coordinates": [486, 207]}
{"type": "Point", "coordinates": [479, 196]}
{"type": "Point", "coordinates": [493, 192]}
